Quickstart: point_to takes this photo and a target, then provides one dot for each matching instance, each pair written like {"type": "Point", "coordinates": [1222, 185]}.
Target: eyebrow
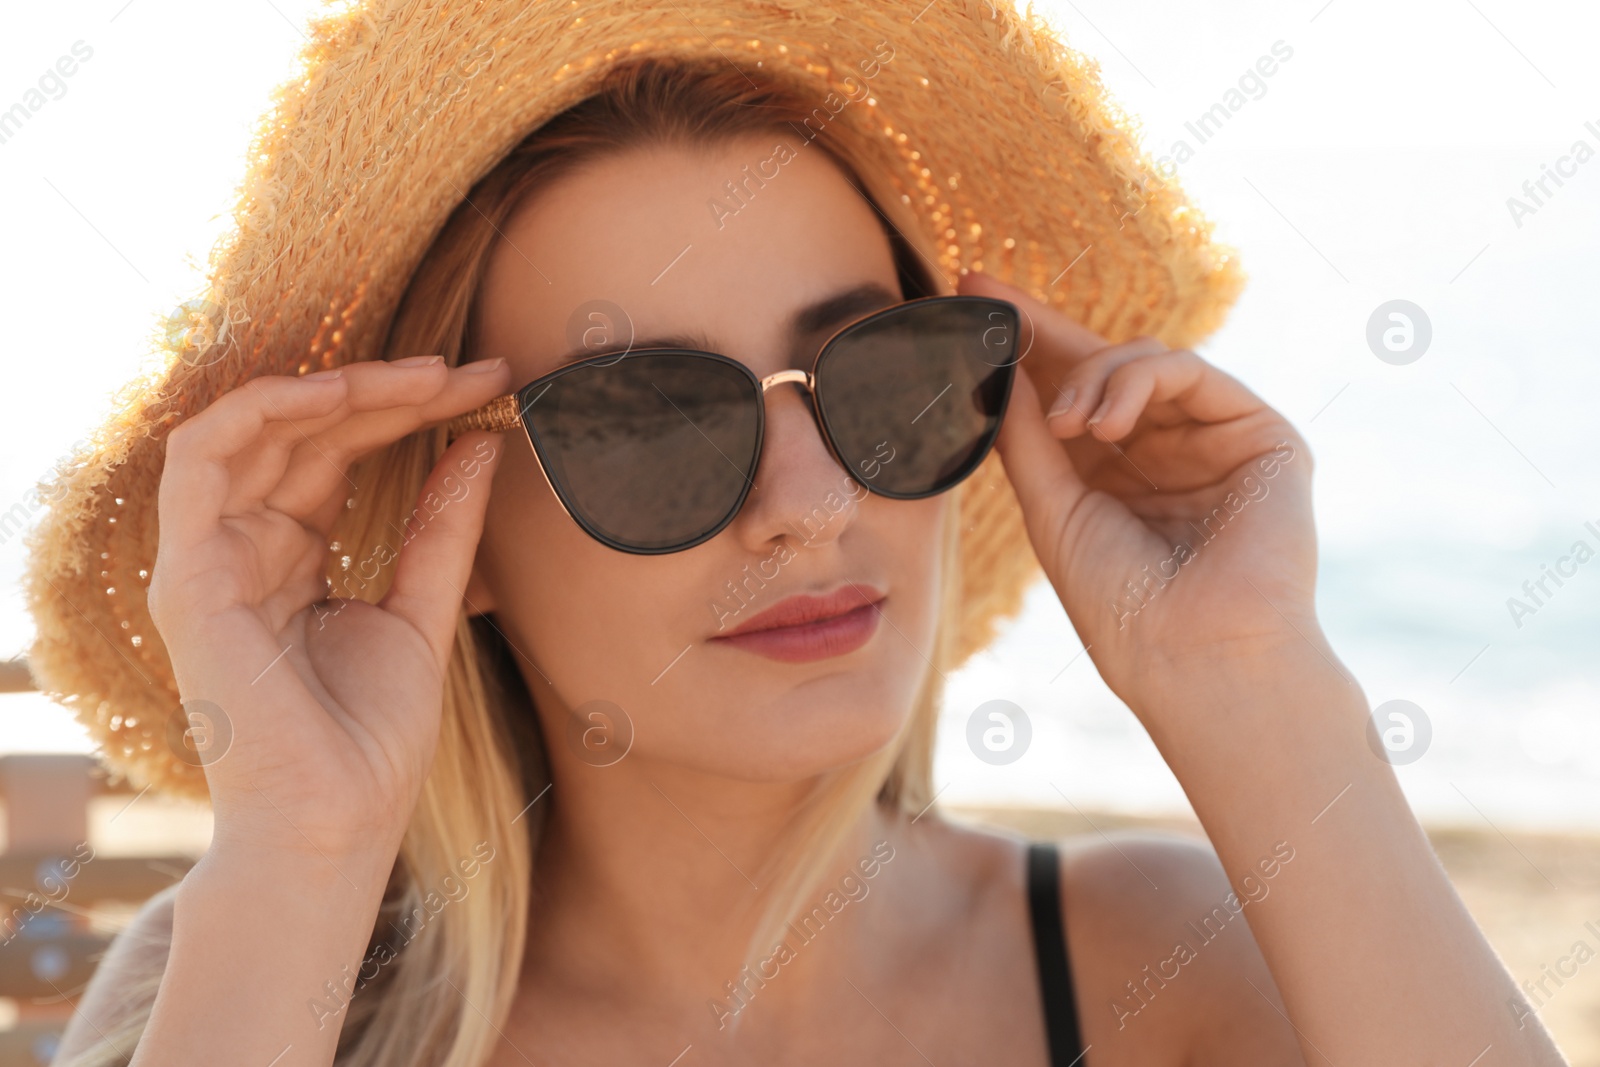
{"type": "Point", "coordinates": [844, 306]}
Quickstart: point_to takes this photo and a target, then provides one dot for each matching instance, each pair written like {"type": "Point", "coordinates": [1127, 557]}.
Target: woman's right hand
{"type": "Point", "coordinates": [334, 706]}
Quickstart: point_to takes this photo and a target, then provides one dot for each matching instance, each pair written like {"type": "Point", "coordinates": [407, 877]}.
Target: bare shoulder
{"type": "Point", "coordinates": [125, 981]}
{"type": "Point", "coordinates": [1163, 959]}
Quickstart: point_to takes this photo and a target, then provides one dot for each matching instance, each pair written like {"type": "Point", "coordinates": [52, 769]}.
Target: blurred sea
{"type": "Point", "coordinates": [1515, 734]}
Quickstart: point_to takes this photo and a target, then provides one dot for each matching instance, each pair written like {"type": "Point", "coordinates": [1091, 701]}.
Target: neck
{"type": "Point", "coordinates": [652, 876]}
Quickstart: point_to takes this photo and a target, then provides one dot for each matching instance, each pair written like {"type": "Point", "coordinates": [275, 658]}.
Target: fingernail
{"type": "Point", "coordinates": [418, 361]}
{"type": "Point", "coordinates": [1063, 405]}
{"type": "Point", "coordinates": [1100, 412]}
{"type": "Point", "coordinates": [323, 375]}
{"type": "Point", "coordinates": [482, 366]}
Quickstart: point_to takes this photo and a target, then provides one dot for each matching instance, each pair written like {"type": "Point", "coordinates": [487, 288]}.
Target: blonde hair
{"type": "Point", "coordinates": [440, 998]}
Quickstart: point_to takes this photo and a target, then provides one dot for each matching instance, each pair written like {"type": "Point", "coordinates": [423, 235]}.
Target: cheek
{"type": "Point", "coordinates": [594, 622]}
{"type": "Point", "coordinates": [911, 529]}
{"type": "Point", "coordinates": [523, 529]}
{"type": "Point", "coordinates": [550, 579]}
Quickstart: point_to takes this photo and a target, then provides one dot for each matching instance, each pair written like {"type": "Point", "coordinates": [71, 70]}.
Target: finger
{"type": "Point", "coordinates": [1081, 393]}
{"type": "Point", "coordinates": [1047, 485]}
{"type": "Point", "coordinates": [385, 401]}
{"type": "Point", "coordinates": [1177, 377]}
{"type": "Point", "coordinates": [196, 480]}
{"type": "Point", "coordinates": [295, 576]}
{"type": "Point", "coordinates": [389, 399]}
{"type": "Point", "coordinates": [1054, 333]}
{"type": "Point", "coordinates": [430, 578]}
{"type": "Point", "coordinates": [243, 444]}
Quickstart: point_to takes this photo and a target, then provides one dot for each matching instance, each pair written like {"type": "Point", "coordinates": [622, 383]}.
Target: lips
{"type": "Point", "coordinates": [804, 608]}
{"type": "Point", "coordinates": [809, 627]}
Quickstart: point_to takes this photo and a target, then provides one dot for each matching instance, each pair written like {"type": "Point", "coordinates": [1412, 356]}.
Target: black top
{"type": "Point", "coordinates": [1050, 951]}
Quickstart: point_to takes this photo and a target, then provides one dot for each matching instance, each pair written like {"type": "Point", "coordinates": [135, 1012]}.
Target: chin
{"type": "Point", "coordinates": [809, 730]}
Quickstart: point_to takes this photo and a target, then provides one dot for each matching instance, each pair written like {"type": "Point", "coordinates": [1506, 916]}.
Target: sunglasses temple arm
{"type": "Point", "coordinates": [501, 413]}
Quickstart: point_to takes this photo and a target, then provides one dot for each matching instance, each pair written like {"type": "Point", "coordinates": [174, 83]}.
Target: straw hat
{"type": "Point", "coordinates": [993, 148]}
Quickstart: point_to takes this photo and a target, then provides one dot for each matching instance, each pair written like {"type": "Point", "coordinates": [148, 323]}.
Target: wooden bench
{"type": "Point", "coordinates": [53, 881]}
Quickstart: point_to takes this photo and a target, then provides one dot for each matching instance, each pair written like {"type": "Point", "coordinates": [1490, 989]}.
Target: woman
{"type": "Point", "coordinates": [554, 781]}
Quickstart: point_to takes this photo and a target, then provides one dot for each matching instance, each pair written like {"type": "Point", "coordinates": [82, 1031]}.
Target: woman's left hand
{"type": "Point", "coordinates": [1225, 666]}
{"type": "Point", "coordinates": [1168, 505]}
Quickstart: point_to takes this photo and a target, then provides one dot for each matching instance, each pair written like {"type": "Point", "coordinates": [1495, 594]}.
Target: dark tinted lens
{"type": "Point", "coordinates": [913, 397]}
{"type": "Point", "coordinates": [651, 451]}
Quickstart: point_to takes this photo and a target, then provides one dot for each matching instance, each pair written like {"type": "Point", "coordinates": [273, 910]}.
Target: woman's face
{"type": "Point", "coordinates": [642, 231]}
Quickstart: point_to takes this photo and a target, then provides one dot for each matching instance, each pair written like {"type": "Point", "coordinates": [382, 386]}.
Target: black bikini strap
{"type": "Point", "coordinates": [1050, 951]}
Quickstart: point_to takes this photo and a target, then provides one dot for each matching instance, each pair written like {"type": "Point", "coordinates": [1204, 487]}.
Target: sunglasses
{"type": "Point", "coordinates": [653, 450]}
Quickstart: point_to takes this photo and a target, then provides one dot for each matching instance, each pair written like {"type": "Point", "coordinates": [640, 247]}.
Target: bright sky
{"type": "Point", "coordinates": [1373, 164]}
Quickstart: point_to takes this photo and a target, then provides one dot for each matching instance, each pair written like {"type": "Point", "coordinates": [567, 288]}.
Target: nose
{"type": "Point", "coordinates": [801, 492]}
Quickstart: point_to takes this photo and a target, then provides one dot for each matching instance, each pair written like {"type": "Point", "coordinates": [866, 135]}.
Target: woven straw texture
{"type": "Point", "coordinates": [994, 146]}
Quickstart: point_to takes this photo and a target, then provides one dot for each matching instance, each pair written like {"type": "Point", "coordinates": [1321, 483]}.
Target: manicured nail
{"type": "Point", "coordinates": [323, 375]}
{"type": "Point", "coordinates": [418, 361]}
{"type": "Point", "coordinates": [1063, 405]}
{"type": "Point", "coordinates": [483, 366]}
{"type": "Point", "coordinates": [1100, 412]}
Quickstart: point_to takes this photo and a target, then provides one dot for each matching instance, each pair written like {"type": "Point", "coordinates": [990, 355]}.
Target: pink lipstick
{"type": "Point", "coordinates": [804, 628]}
